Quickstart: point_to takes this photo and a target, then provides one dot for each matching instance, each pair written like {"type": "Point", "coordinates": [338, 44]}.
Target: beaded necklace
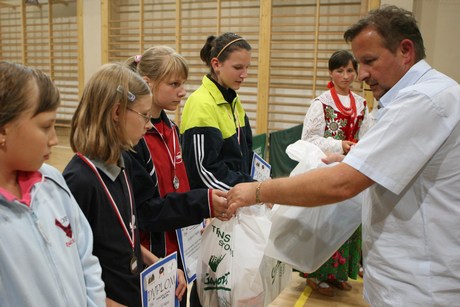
{"type": "Point", "coordinates": [351, 111]}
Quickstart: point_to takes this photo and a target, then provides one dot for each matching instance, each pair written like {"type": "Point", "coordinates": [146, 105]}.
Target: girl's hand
{"type": "Point", "coordinates": [346, 146]}
{"type": "Point", "coordinates": [181, 286]}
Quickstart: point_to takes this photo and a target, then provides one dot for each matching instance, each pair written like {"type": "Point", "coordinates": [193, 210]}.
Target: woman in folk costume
{"type": "Point", "coordinates": [334, 122]}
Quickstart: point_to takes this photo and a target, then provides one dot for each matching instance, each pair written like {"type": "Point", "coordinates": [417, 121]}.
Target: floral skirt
{"type": "Point", "coordinates": [344, 263]}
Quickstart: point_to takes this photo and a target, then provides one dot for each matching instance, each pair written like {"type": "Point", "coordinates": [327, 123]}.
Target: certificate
{"type": "Point", "coordinates": [189, 239]}
{"type": "Point", "coordinates": [158, 283]}
{"type": "Point", "coordinates": [260, 169]}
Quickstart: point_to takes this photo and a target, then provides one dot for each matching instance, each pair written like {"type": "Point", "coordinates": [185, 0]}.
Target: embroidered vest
{"type": "Point", "coordinates": [340, 126]}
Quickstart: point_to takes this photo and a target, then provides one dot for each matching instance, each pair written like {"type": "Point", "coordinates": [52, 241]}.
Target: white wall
{"type": "Point", "coordinates": [439, 23]}
{"type": "Point", "coordinates": [92, 40]}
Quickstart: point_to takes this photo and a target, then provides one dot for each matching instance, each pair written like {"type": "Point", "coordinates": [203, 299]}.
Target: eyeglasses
{"type": "Point", "coordinates": [146, 118]}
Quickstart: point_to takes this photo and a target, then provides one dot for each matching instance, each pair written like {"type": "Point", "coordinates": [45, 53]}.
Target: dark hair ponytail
{"type": "Point", "coordinates": [205, 53]}
{"type": "Point", "coordinates": [221, 47]}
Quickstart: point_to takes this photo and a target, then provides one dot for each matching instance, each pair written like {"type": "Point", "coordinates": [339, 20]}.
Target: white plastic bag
{"type": "Point", "coordinates": [276, 275]}
{"type": "Point", "coordinates": [230, 257]}
{"type": "Point", "coordinates": [307, 237]}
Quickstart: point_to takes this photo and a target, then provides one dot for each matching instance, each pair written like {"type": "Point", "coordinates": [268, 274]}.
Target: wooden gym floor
{"type": "Point", "coordinates": [296, 293]}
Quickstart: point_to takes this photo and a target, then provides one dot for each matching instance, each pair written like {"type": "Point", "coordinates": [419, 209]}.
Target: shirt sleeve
{"type": "Point", "coordinates": [368, 121]}
{"type": "Point", "coordinates": [90, 264]}
{"type": "Point", "coordinates": [408, 133]}
{"type": "Point", "coordinates": [175, 210]}
{"type": "Point", "coordinates": [202, 148]}
{"type": "Point", "coordinates": [91, 267]}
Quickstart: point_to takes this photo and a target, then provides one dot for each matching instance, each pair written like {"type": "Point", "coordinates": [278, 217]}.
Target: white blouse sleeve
{"type": "Point", "coordinates": [313, 129]}
{"type": "Point", "coordinates": [368, 121]}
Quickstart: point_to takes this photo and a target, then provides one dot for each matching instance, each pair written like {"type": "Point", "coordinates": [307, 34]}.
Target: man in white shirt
{"type": "Point", "coordinates": [409, 162]}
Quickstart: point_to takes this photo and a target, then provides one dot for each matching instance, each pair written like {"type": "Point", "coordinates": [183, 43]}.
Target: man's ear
{"type": "Point", "coordinates": [407, 49]}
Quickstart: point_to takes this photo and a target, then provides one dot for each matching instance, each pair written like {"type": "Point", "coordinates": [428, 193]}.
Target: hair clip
{"type": "Point", "coordinates": [131, 96]}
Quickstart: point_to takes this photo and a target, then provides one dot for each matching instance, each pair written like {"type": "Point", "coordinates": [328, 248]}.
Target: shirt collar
{"type": "Point", "coordinates": [411, 77]}
{"type": "Point", "coordinates": [111, 170]}
{"type": "Point", "coordinates": [26, 181]}
{"type": "Point", "coordinates": [163, 118]}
